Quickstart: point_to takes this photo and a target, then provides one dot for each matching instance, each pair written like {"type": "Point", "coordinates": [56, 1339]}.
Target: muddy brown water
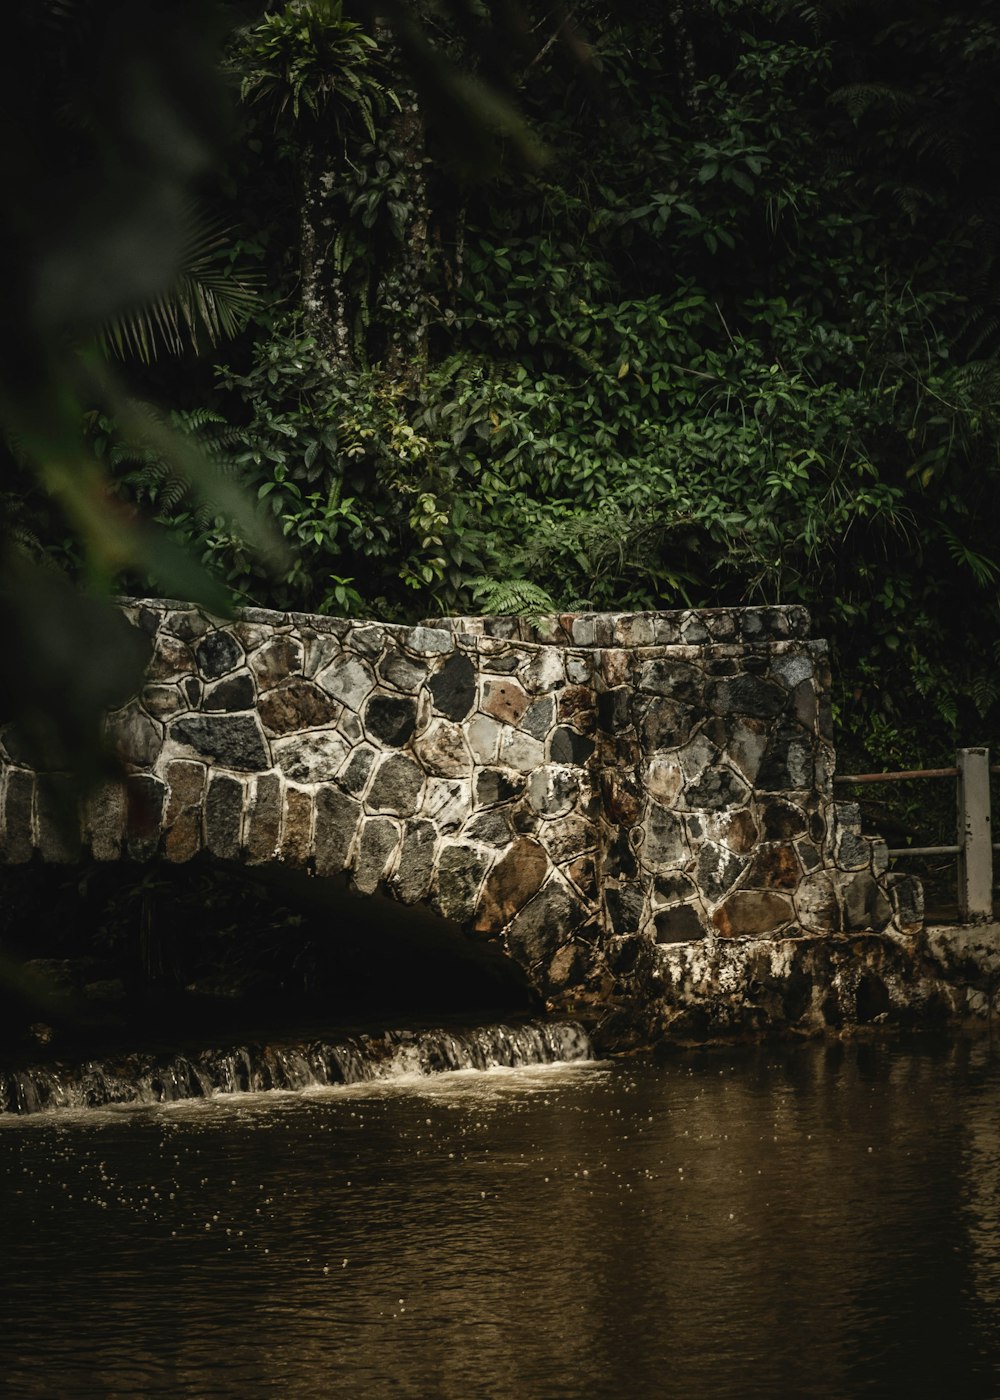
{"type": "Point", "coordinates": [814, 1221]}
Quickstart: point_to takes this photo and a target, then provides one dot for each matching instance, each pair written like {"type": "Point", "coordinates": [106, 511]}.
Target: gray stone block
{"type": "Point", "coordinates": [390, 719]}
{"type": "Point", "coordinates": [224, 816]}
{"type": "Point", "coordinates": [748, 695]}
{"type": "Point", "coordinates": [217, 653]}
{"type": "Point", "coordinates": [19, 803]}
{"type": "Point", "coordinates": [376, 848]}
{"type": "Point", "coordinates": [337, 819]}
{"type": "Point", "coordinates": [314, 757]}
{"type": "Point", "coordinates": [348, 679]}
{"type": "Point", "coordinates": [234, 741]}
{"type": "Point", "coordinates": [545, 923]}
{"type": "Point", "coordinates": [411, 880]}
{"type": "Point", "coordinates": [263, 822]}
{"type": "Point", "coordinates": [682, 923]}
{"type": "Point", "coordinates": [235, 692]}
{"type": "Point", "coordinates": [461, 869]}
{"type": "Point", "coordinates": [453, 687]}
{"type": "Point", "coordinates": [396, 786]}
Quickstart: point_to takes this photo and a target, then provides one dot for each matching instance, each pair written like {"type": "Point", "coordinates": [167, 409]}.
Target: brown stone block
{"type": "Point", "coordinates": [512, 882]}
{"type": "Point", "coordinates": [104, 821]}
{"type": "Point", "coordinates": [296, 704]}
{"type": "Point", "coordinates": [748, 912]}
{"type": "Point", "coordinates": [774, 868]}
{"type": "Point", "coordinates": [183, 841]}
{"type": "Point", "coordinates": [296, 834]}
{"type": "Point", "coordinates": [171, 659]}
{"type": "Point", "coordinates": [618, 750]}
{"type": "Point", "coordinates": [278, 659]}
{"type": "Point", "coordinates": [621, 797]}
{"type": "Point", "coordinates": [583, 873]}
{"type": "Point", "coordinates": [162, 701]}
{"type": "Point", "coordinates": [144, 798]}
{"type": "Point", "coordinates": [504, 699]}
{"type": "Point", "coordinates": [251, 635]}
{"type": "Point", "coordinates": [616, 666]}
{"type": "Point", "coordinates": [569, 967]}
{"type": "Point", "coordinates": [19, 799]}
{"type": "Point", "coordinates": [738, 830]}
{"type": "Point", "coordinates": [263, 825]}
{"type": "Point", "coordinates": [186, 784]}
{"type": "Point", "coordinates": [575, 700]}
{"type": "Point", "coordinates": [443, 751]}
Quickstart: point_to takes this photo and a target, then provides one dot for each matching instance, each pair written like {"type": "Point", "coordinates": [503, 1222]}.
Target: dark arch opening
{"type": "Point", "coordinates": [96, 955]}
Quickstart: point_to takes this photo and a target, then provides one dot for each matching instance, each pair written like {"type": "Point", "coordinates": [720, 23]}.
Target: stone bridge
{"type": "Point", "coordinates": [607, 797]}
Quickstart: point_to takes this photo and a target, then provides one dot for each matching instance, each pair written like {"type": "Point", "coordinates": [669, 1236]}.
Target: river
{"type": "Point", "coordinates": [807, 1221]}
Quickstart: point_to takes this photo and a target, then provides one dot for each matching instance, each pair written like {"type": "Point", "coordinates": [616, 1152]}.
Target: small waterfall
{"type": "Point", "coordinates": [250, 1069]}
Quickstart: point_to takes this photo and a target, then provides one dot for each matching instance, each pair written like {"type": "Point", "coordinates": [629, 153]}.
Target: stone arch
{"type": "Point", "coordinates": [417, 762]}
{"type": "Point", "coordinates": [585, 791]}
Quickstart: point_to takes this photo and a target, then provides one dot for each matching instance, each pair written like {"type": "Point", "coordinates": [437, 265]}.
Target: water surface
{"type": "Point", "coordinates": [814, 1221]}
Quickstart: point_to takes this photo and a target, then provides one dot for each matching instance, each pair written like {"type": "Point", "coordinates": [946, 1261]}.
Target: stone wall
{"type": "Point", "coordinates": [588, 791]}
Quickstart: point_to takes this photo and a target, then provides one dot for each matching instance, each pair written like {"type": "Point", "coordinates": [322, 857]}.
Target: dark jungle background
{"type": "Point", "coordinates": [494, 305]}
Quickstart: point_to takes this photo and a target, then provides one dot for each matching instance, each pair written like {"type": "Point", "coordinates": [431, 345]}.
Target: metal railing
{"type": "Point", "coordinates": [975, 844]}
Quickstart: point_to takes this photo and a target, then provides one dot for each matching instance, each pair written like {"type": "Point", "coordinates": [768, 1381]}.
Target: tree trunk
{"type": "Point", "coordinates": [322, 291]}
{"type": "Point", "coordinates": [403, 295]}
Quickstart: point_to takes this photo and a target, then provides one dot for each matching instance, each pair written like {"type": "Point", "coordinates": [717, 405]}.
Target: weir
{"type": "Point", "coordinates": [313, 1064]}
{"type": "Point", "coordinates": [638, 809]}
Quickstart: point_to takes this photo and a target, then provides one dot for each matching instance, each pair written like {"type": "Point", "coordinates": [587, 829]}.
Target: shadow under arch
{"type": "Point", "coordinates": [98, 954]}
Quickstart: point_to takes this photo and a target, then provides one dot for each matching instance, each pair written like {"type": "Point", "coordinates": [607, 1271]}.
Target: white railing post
{"type": "Point", "coordinates": [975, 861]}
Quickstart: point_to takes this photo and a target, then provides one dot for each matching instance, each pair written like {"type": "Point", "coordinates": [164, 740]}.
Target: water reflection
{"type": "Point", "coordinates": [809, 1222]}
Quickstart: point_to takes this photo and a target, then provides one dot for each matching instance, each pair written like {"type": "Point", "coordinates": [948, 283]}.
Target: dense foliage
{"type": "Point", "coordinates": [721, 322]}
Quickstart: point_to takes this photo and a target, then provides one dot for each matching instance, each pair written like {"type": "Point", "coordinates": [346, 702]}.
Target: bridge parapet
{"type": "Point", "coordinates": [584, 790]}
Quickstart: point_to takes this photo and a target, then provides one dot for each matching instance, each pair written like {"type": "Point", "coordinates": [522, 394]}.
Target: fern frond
{"type": "Point", "coordinates": [984, 570]}
{"type": "Point", "coordinates": [193, 419]}
{"type": "Point", "coordinates": [941, 141]}
{"type": "Point", "coordinates": [513, 597]}
{"type": "Point", "coordinates": [984, 693]}
{"type": "Point", "coordinates": [980, 332]}
{"type": "Point", "coordinates": [172, 494]}
{"type": "Point", "coordinates": [859, 98]}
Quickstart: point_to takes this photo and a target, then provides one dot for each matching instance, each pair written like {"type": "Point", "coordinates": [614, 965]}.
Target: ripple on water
{"type": "Point", "coordinates": [804, 1222]}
